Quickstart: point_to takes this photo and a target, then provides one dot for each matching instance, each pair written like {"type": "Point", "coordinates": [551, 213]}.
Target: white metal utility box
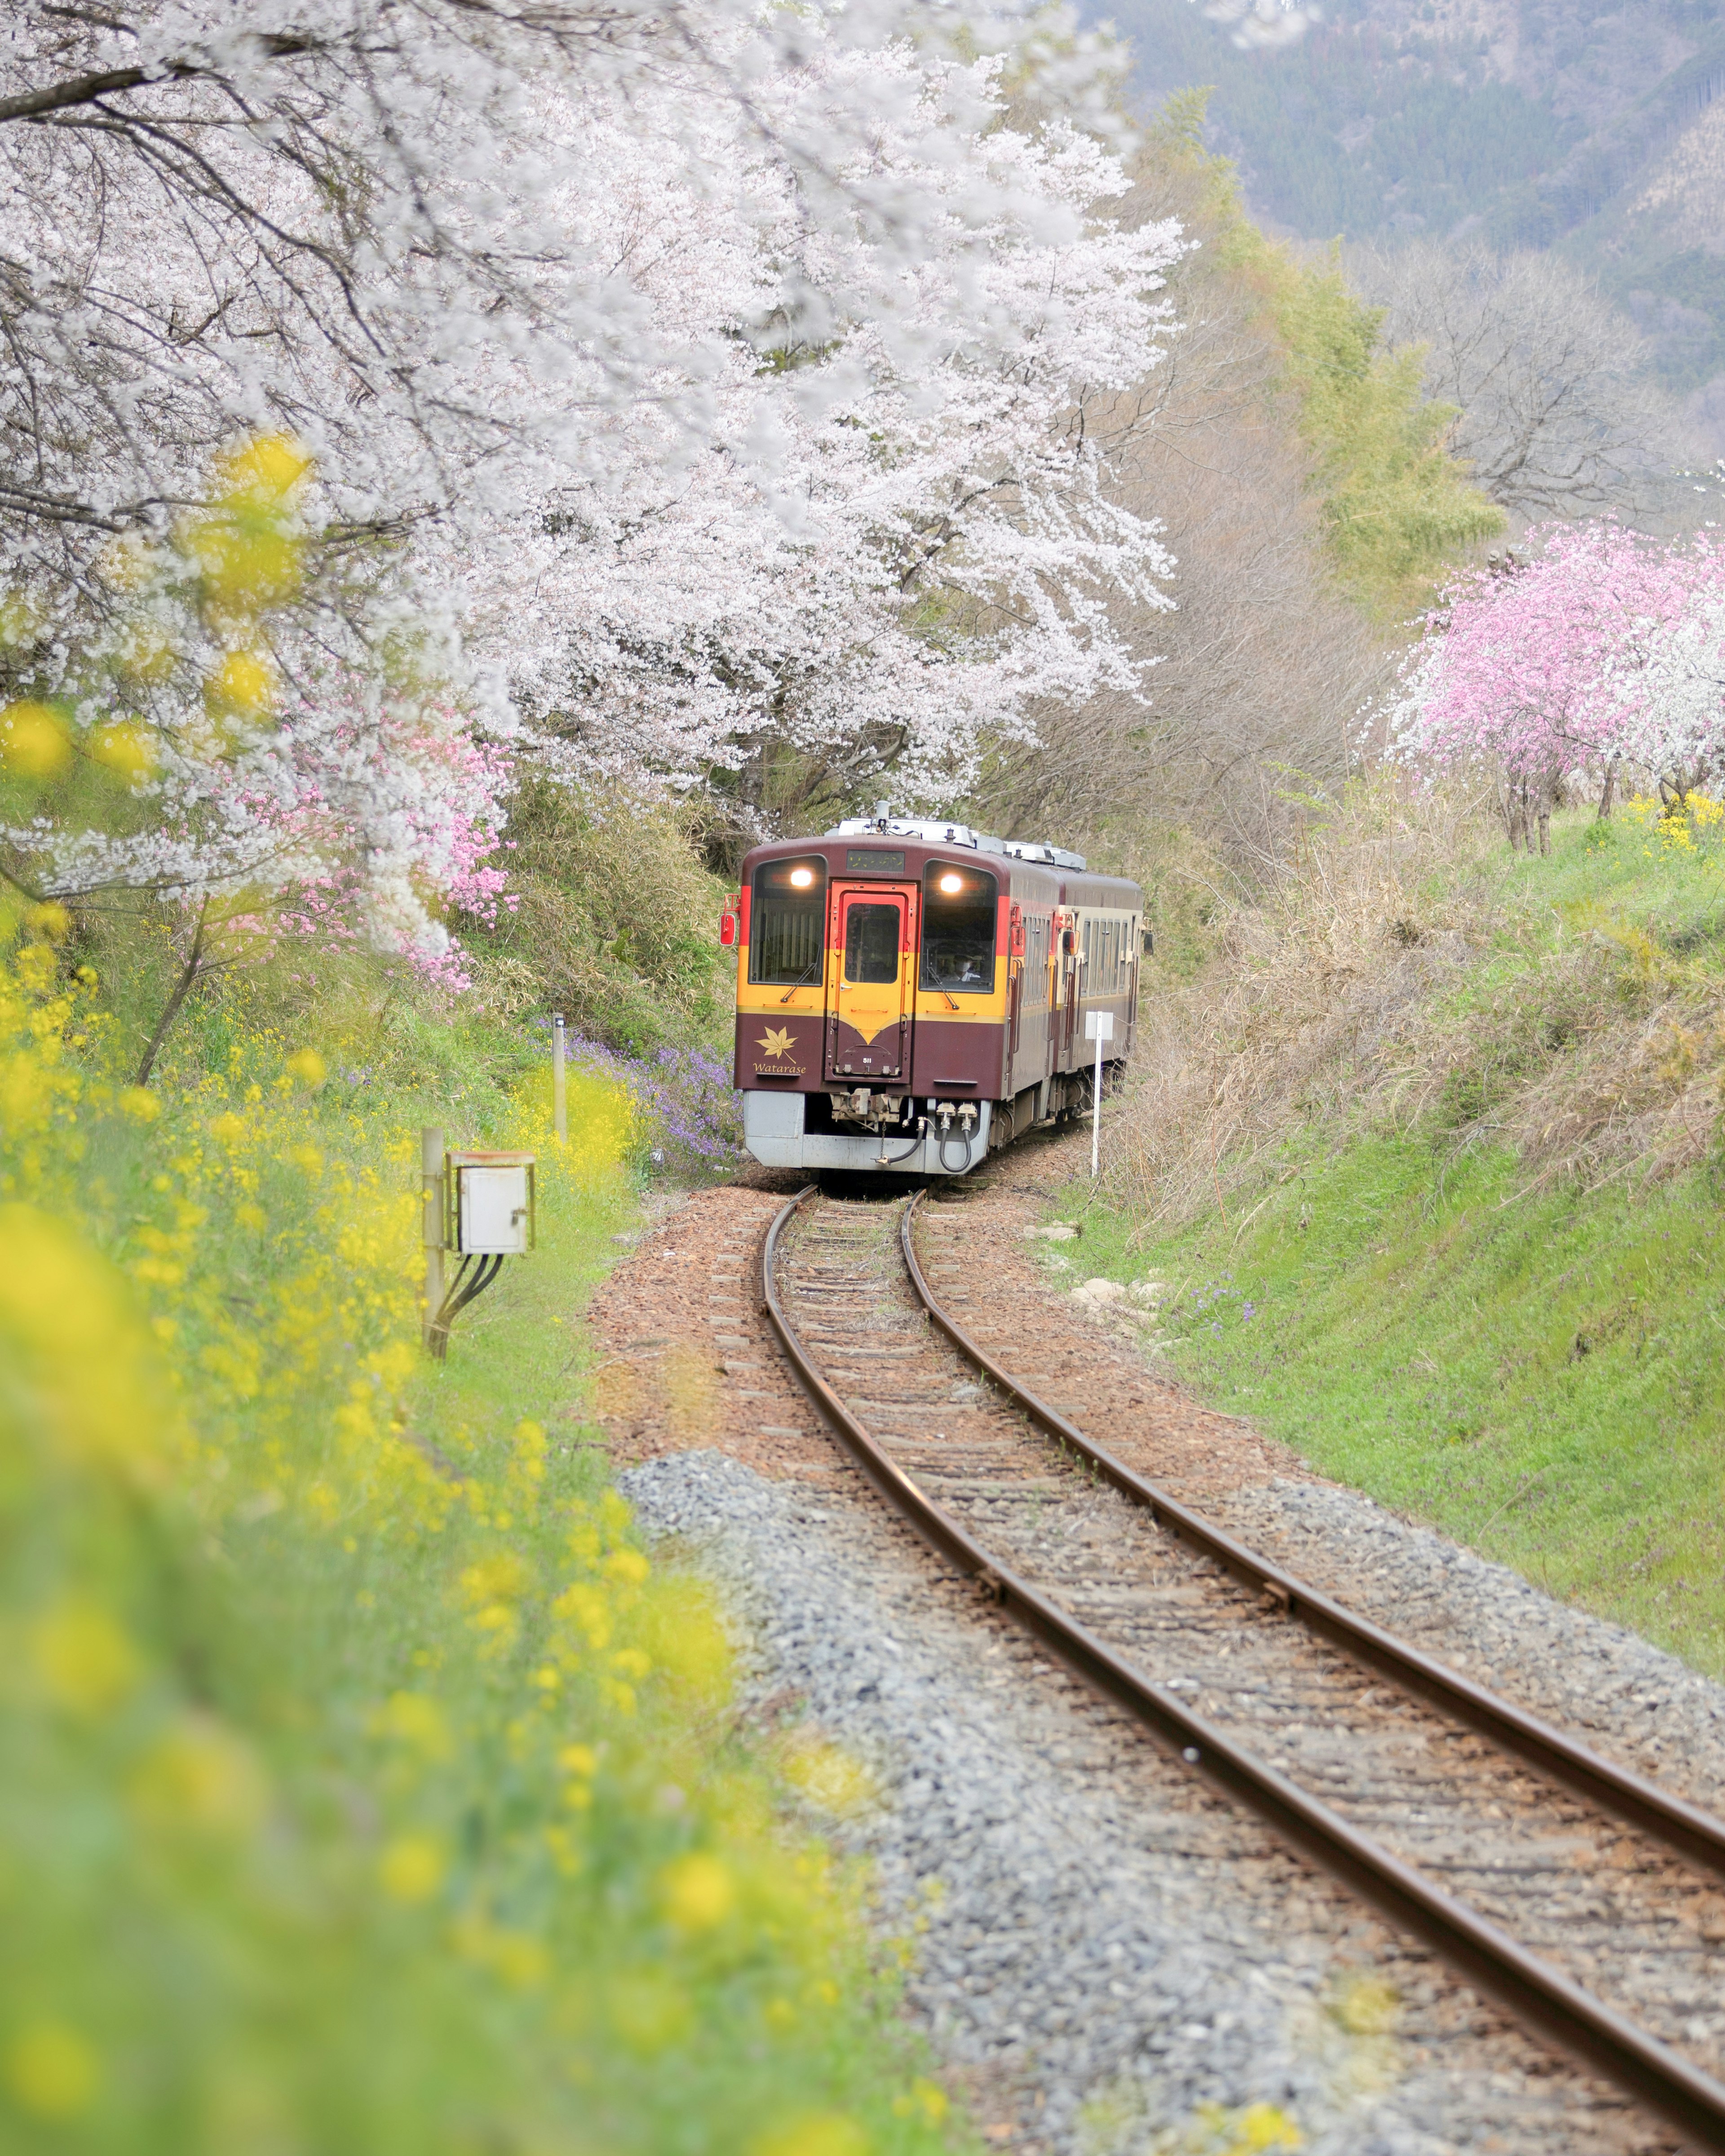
{"type": "Point", "coordinates": [489, 1203]}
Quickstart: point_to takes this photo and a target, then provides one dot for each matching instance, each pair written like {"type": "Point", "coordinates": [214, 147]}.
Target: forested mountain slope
{"type": "Point", "coordinates": [1565, 123]}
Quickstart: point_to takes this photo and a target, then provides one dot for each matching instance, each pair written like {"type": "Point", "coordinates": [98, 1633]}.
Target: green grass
{"type": "Point", "coordinates": [1540, 1373]}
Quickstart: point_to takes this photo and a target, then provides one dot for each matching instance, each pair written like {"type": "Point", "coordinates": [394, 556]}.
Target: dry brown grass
{"type": "Point", "coordinates": [1389, 983]}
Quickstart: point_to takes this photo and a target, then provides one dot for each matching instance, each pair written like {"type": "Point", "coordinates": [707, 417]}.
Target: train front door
{"type": "Point", "coordinates": [1063, 1028]}
{"type": "Point", "coordinates": [872, 945]}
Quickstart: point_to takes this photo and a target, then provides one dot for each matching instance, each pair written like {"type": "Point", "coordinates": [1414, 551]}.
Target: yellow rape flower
{"type": "Point", "coordinates": [308, 1067]}
{"type": "Point", "coordinates": [418, 1721]}
{"type": "Point", "coordinates": [50, 919]}
{"type": "Point", "coordinates": [34, 740]}
{"type": "Point", "coordinates": [125, 747]}
{"type": "Point", "coordinates": [200, 1777]}
{"type": "Point", "coordinates": [265, 471]}
{"type": "Point", "coordinates": [697, 1892]}
{"type": "Point", "coordinates": [72, 1348]}
{"type": "Point", "coordinates": [815, 2134]}
{"type": "Point", "coordinates": [138, 1102]}
{"type": "Point", "coordinates": [412, 1868]}
{"type": "Point", "coordinates": [829, 1776]}
{"type": "Point", "coordinates": [82, 1658]}
{"type": "Point", "coordinates": [50, 2072]}
{"type": "Point", "coordinates": [244, 682]}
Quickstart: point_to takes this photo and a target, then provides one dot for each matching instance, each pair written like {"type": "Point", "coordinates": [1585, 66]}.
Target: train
{"type": "Point", "coordinates": [913, 994]}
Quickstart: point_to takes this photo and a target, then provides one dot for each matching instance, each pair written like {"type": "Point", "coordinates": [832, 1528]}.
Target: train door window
{"type": "Point", "coordinates": [959, 910]}
{"type": "Point", "coordinates": [787, 923]}
{"type": "Point", "coordinates": [871, 937]}
{"type": "Point", "coordinates": [1089, 938]}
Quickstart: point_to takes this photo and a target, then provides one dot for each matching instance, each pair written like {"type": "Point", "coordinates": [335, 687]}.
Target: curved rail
{"type": "Point", "coordinates": [1684, 1827]}
{"type": "Point", "coordinates": [1603, 2040]}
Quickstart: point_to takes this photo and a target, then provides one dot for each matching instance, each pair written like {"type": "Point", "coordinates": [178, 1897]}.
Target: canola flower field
{"type": "Point", "coordinates": [367, 1788]}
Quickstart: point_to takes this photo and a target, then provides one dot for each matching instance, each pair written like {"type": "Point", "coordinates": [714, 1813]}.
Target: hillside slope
{"type": "Point", "coordinates": [1526, 123]}
{"type": "Point", "coordinates": [1422, 1172]}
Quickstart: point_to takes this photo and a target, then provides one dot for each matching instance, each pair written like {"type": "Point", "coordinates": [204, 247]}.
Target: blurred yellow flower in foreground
{"type": "Point", "coordinates": [72, 1352]}
{"type": "Point", "coordinates": [818, 2133]}
{"type": "Point", "coordinates": [50, 2072]}
{"type": "Point", "coordinates": [698, 1891]}
{"type": "Point", "coordinates": [142, 1105]}
{"type": "Point", "coordinates": [125, 747]}
{"type": "Point", "coordinates": [308, 1067]}
{"type": "Point", "coordinates": [412, 1868]}
{"type": "Point", "coordinates": [828, 1776]}
{"type": "Point", "coordinates": [265, 471]}
{"type": "Point", "coordinates": [82, 1658]}
{"type": "Point", "coordinates": [243, 682]}
{"type": "Point", "coordinates": [201, 1778]}
{"type": "Point", "coordinates": [34, 740]}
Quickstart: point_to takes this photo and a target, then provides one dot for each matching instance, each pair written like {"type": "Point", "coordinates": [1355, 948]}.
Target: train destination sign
{"type": "Point", "coordinates": [866, 861]}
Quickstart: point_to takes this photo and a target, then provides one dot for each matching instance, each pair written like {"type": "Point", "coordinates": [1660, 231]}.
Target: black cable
{"type": "Point", "coordinates": [463, 1290]}
{"type": "Point", "coordinates": [969, 1147]}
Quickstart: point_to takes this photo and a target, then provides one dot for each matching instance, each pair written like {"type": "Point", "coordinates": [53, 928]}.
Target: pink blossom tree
{"type": "Point", "coordinates": [1541, 664]}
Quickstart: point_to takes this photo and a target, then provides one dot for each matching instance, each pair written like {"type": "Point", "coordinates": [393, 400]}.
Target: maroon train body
{"type": "Point", "coordinates": [912, 994]}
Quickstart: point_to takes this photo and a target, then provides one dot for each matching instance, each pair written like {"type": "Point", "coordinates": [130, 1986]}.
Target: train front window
{"type": "Point", "coordinates": [787, 923]}
{"type": "Point", "coordinates": [959, 910]}
{"type": "Point", "coordinates": [872, 934]}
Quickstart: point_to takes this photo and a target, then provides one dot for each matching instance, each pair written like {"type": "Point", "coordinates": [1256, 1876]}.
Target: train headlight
{"type": "Point", "coordinates": [951, 884]}
{"type": "Point", "coordinates": [802, 878]}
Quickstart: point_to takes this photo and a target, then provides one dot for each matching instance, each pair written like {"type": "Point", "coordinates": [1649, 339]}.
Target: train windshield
{"type": "Point", "coordinates": [958, 912]}
{"type": "Point", "coordinates": [872, 934]}
{"type": "Point", "coordinates": [787, 923]}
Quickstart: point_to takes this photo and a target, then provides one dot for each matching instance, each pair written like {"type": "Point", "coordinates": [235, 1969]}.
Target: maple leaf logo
{"type": "Point", "coordinates": [776, 1040]}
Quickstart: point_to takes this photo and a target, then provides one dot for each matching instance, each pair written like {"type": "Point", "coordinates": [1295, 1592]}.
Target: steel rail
{"type": "Point", "coordinates": [1684, 1827]}
{"type": "Point", "coordinates": [1604, 2041]}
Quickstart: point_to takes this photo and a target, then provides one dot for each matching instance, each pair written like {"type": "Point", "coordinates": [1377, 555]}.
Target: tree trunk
{"type": "Point", "coordinates": [1608, 793]}
{"type": "Point", "coordinates": [183, 987]}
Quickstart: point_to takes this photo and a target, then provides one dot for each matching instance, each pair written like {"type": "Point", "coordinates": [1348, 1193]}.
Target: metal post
{"type": "Point", "coordinates": [559, 1079]}
{"type": "Point", "coordinates": [1096, 1125]}
{"type": "Point", "coordinates": [431, 1185]}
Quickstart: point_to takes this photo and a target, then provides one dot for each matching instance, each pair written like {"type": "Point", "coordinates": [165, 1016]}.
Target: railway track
{"type": "Point", "coordinates": [1586, 1900]}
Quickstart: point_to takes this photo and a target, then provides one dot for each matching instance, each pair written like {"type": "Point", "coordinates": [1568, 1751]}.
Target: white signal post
{"type": "Point", "coordinates": [1099, 1027]}
{"type": "Point", "coordinates": [559, 1079]}
{"type": "Point", "coordinates": [432, 1229]}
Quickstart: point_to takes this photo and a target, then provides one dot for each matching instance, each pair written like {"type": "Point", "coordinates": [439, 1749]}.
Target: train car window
{"type": "Point", "coordinates": [958, 912]}
{"type": "Point", "coordinates": [871, 942]}
{"type": "Point", "coordinates": [787, 923]}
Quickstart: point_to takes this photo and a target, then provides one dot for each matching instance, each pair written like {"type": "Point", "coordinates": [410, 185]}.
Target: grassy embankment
{"type": "Point", "coordinates": [1428, 1158]}
{"type": "Point", "coordinates": [367, 1787]}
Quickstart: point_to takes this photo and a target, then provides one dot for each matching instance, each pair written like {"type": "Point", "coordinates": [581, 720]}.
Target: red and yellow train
{"type": "Point", "coordinates": [911, 994]}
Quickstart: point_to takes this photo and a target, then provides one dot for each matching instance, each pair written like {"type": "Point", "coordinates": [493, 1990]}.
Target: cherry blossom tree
{"type": "Point", "coordinates": [1546, 665]}
{"type": "Point", "coordinates": [666, 383]}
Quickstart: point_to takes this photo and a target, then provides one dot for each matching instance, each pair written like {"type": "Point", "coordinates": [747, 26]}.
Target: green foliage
{"type": "Point", "coordinates": [1396, 507]}
{"type": "Point", "coordinates": [367, 1787]}
{"type": "Point", "coordinates": [616, 923]}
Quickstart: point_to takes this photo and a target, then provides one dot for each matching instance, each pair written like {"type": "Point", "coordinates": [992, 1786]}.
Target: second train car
{"type": "Point", "coordinates": [911, 995]}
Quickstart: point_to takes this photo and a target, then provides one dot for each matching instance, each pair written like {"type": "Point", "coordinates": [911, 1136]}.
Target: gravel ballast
{"type": "Point", "coordinates": [1102, 1947]}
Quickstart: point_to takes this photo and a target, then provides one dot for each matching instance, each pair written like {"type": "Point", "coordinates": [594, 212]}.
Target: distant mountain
{"type": "Point", "coordinates": [1584, 127]}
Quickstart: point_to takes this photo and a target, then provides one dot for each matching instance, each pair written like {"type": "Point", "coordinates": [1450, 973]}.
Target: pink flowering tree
{"type": "Point", "coordinates": [1544, 666]}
